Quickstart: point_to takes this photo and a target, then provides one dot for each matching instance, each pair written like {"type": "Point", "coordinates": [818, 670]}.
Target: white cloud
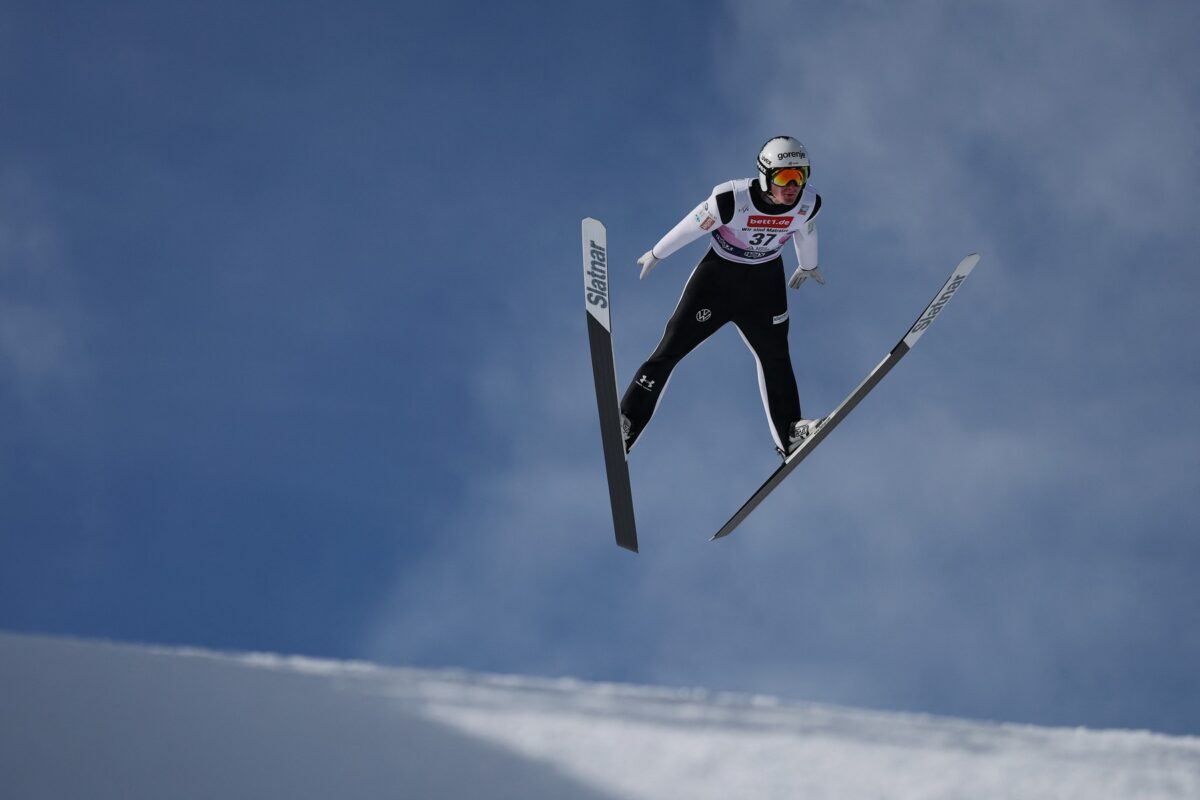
{"type": "Point", "coordinates": [39, 318]}
{"type": "Point", "coordinates": [917, 112]}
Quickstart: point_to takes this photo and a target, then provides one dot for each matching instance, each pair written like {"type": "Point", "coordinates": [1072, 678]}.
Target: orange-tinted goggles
{"type": "Point", "coordinates": [790, 175]}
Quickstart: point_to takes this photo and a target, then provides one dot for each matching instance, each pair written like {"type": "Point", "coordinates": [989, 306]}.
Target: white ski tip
{"type": "Point", "coordinates": [595, 271]}
{"type": "Point", "coordinates": [941, 299]}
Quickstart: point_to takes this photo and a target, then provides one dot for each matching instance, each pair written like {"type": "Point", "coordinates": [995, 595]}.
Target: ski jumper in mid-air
{"type": "Point", "coordinates": [741, 280]}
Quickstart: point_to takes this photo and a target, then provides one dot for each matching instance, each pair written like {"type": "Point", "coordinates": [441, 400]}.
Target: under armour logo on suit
{"type": "Point", "coordinates": [646, 383]}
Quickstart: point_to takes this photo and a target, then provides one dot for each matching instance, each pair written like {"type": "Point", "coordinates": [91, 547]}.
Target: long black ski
{"type": "Point", "coordinates": [873, 378]}
{"type": "Point", "coordinates": [598, 301]}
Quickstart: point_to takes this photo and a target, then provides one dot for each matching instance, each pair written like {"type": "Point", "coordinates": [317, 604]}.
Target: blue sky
{"type": "Point", "coordinates": [292, 355]}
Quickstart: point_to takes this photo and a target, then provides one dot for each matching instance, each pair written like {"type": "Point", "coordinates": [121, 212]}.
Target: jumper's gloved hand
{"type": "Point", "coordinates": [801, 275]}
{"type": "Point", "coordinates": [648, 261]}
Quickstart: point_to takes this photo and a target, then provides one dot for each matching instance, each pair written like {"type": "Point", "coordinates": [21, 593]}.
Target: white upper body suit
{"type": "Point", "coordinates": [746, 229]}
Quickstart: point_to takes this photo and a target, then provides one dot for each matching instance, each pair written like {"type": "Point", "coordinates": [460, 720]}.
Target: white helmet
{"type": "Point", "coordinates": [780, 153]}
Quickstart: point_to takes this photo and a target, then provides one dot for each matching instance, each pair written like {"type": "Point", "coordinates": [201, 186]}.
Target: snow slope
{"type": "Point", "coordinates": [92, 720]}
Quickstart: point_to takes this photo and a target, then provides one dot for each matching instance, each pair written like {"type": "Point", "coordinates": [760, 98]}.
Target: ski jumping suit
{"type": "Point", "coordinates": [740, 280]}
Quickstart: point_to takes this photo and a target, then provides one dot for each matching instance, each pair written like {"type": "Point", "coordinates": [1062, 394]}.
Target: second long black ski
{"type": "Point", "coordinates": [873, 378]}
{"type": "Point", "coordinates": [598, 301]}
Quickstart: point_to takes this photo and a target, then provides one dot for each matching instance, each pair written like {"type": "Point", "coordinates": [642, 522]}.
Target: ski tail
{"type": "Point", "coordinates": [598, 302]}
{"type": "Point", "coordinates": [906, 343]}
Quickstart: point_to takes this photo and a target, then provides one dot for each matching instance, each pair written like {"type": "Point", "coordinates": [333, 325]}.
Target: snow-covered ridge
{"type": "Point", "coordinates": [100, 720]}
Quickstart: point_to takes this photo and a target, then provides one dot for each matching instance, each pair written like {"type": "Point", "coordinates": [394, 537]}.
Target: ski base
{"type": "Point", "coordinates": [597, 300]}
{"type": "Point", "coordinates": [873, 378]}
